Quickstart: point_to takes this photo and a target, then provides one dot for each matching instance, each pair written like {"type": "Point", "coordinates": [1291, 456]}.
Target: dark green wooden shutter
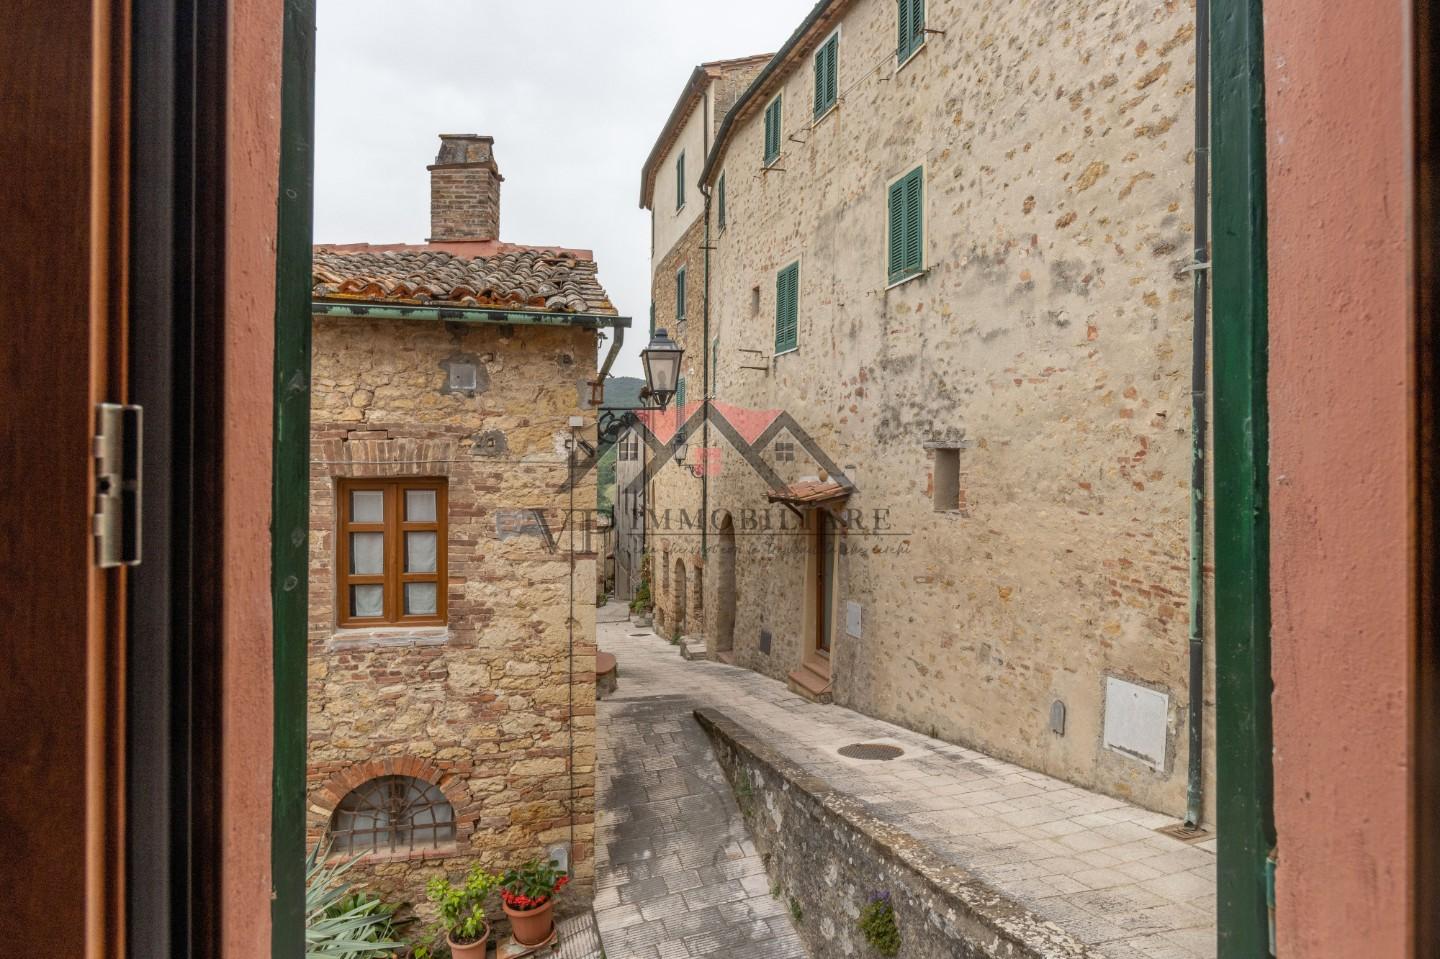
{"type": "Point", "coordinates": [720, 201]}
{"type": "Point", "coordinates": [680, 392]}
{"type": "Point", "coordinates": [897, 227]}
{"type": "Point", "coordinates": [680, 295]}
{"type": "Point", "coordinates": [680, 181]}
{"type": "Point", "coordinates": [772, 131]}
{"type": "Point", "coordinates": [832, 69]}
{"type": "Point", "coordinates": [652, 317]}
{"type": "Point", "coordinates": [826, 80]}
{"type": "Point", "coordinates": [906, 201]}
{"type": "Point", "coordinates": [914, 213]}
{"type": "Point", "coordinates": [911, 27]}
{"type": "Point", "coordinates": [787, 308]}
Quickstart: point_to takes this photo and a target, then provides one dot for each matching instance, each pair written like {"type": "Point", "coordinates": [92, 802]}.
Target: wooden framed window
{"type": "Point", "coordinates": [911, 23]}
{"type": "Point", "coordinates": [391, 552]}
{"type": "Point", "coordinates": [826, 69]}
{"type": "Point", "coordinates": [772, 131]}
{"type": "Point", "coordinates": [787, 309]}
{"type": "Point", "coordinates": [907, 233]}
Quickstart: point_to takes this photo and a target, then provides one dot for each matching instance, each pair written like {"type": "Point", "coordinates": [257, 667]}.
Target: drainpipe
{"type": "Point", "coordinates": [1200, 271]}
{"type": "Point", "coordinates": [610, 356]}
{"type": "Point", "coordinates": [705, 379]}
{"type": "Point", "coordinates": [705, 360]}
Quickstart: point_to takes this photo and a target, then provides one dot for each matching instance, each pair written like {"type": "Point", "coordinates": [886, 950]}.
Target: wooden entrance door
{"type": "Point", "coordinates": [824, 590]}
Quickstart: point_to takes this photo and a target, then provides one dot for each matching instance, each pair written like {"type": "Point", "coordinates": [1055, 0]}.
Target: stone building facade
{"type": "Point", "coordinates": [452, 650]}
{"type": "Point", "coordinates": [966, 506]}
{"type": "Point", "coordinates": [670, 188]}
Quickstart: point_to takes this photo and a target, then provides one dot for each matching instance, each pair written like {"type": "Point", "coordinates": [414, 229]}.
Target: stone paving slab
{"type": "Point", "coordinates": [676, 873]}
{"type": "Point", "coordinates": [1092, 864]}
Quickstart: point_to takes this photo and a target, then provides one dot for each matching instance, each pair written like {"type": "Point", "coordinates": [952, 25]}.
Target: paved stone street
{"type": "Point", "coordinates": [677, 875]}
{"type": "Point", "coordinates": [1091, 864]}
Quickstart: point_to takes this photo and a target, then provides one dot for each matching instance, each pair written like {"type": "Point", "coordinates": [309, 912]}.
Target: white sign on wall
{"type": "Point", "coordinates": [1136, 719]}
{"type": "Point", "coordinates": [852, 618]}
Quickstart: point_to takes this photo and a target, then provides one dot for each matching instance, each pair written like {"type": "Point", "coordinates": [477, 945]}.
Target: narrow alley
{"type": "Point", "coordinates": [1088, 873]}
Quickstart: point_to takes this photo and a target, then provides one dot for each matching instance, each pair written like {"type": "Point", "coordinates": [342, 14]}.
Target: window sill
{"type": "Point", "coordinates": [680, 209]}
{"type": "Point", "coordinates": [380, 637]}
{"type": "Point", "coordinates": [912, 55]}
{"type": "Point", "coordinates": [906, 279]}
{"type": "Point", "coordinates": [827, 111]}
{"type": "Point", "coordinates": [787, 352]}
{"type": "Point", "coordinates": [448, 851]}
{"type": "Point", "coordinates": [769, 164]}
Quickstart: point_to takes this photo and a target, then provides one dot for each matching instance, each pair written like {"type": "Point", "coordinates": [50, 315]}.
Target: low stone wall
{"type": "Point", "coordinates": [827, 854]}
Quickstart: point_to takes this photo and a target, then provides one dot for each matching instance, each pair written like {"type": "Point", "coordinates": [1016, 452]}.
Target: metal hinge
{"type": "Point", "coordinates": [116, 522]}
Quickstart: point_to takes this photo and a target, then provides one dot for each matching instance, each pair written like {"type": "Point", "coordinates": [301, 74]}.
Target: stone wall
{"type": "Point", "coordinates": [826, 855]}
{"type": "Point", "coordinates": [497, 707]}
{"type": "Point", "coordinates": [1048, 340]}
{"type": "Point", "coordinates": [675, 493]}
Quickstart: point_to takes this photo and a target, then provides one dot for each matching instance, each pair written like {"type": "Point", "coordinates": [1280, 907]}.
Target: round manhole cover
{"type": "Point", "coordinates": [871, 751]}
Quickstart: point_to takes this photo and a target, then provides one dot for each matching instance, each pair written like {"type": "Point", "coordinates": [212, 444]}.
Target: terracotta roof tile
{"type": "Point", "coordinates": [546, 280]}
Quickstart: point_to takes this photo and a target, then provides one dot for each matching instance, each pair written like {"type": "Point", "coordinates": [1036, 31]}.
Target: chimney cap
{"type": "Point", "coordinates": [466, 149]}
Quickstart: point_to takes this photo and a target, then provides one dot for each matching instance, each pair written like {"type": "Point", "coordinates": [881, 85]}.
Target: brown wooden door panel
{"type": "Point", "coordinates": [62, 269]}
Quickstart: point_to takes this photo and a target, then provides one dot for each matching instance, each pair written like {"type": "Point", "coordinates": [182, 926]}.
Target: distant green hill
{"type": "Point", "coordinates": [623, 392]}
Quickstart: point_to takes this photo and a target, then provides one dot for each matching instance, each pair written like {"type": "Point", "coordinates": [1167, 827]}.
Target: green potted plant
{"type": "Point", "coordinates": [527, 895]}
{"type": "Point", "coordinates": [462, 911]}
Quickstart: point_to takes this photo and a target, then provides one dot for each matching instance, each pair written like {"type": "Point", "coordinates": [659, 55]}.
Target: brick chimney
{"type": "Point", "coordinates": [465, 189]}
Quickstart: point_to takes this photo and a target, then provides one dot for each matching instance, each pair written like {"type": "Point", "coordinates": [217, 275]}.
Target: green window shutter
{"type": "Point", "coordinates": [914, 215]}
{"type": "Point", "coordinates": [720, 201]}
{"type": "Point", "coordinates": [826, 83]}
{"type": "Point", "coordinates": [680, 295]}
{"type": "Point", "coordinates": [911, 27]}
{"type": "Point", "coordinates": [787, 308]}
{"type": "Point", "coordinates": [832, 69]}
{"type": "Point", "coordinates": [680, 180]}
{"type": "Point", "coordinates": [773, 114]}
{"type": "Point", "coordinates": [906, 209]}
{"type": "Point", "coordinates": [652, 317]}
{"type": "Point", "coordinates": [679, 392]}
{"type": "Point", "coordinates": [896, 263]}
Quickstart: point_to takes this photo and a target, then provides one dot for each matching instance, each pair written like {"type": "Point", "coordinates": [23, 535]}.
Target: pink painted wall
{"type": "Point", "coordinates": [253, 132]}
{"type": "Point", "coordinates": [1338, 142]}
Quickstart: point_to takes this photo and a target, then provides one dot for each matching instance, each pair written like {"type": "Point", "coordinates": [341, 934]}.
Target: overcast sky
{"type": "Point", "coordinates": [573, 91]}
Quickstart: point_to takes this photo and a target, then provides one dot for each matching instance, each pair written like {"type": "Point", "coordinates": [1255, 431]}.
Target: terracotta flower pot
{"type": "Point", "coordinates": [470, 950]}
{"type": "Point", "coordinates": [531, 926]}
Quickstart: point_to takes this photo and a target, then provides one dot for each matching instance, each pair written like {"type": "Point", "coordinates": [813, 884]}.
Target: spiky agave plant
{"type": "Point", "coordinates": [339, 924]}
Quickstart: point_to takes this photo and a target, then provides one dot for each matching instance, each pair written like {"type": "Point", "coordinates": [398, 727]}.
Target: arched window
{"type": "Point", "coordinates": [392, 814]}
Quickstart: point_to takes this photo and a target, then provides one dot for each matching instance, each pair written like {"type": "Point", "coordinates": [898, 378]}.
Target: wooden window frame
{"type": "Point", "coordinates": [394, 527]}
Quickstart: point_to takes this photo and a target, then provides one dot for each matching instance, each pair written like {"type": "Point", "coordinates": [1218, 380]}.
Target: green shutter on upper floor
{"type": "Point", "coordinates": [906, 202]}
{"type": "Point", "coordinates": [773, 118]}
{"type": "Point", "coordinates": [911, 27]}
{"type": "Point", "coordinates": [787, 308]}
{"type": "Point", "coordinates": [680, 392]}
{"type": "Point", "coordinates": [720, 201]}
{"type": "Point", "coordinates": [680, 180]}
{"type": "Point", "coordinates": [826, 74]}
{"type": "Point", "coordinates": [680, 295]}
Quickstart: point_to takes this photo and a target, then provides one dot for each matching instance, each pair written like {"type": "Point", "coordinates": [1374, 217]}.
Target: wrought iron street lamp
{"type": "Point", "coordinates": [662, 366]}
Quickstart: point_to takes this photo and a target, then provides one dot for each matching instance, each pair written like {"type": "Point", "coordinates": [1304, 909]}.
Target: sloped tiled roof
{"type": "Point", "coordinates": [551, 281]}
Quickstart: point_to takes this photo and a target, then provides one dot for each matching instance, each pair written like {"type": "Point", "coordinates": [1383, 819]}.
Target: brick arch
{"type": "Point", "coordinates": [324, 798]}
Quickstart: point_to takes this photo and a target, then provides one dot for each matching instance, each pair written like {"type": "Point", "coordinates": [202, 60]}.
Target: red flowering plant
{"type": "Point", "coordinates": [532, 885]}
